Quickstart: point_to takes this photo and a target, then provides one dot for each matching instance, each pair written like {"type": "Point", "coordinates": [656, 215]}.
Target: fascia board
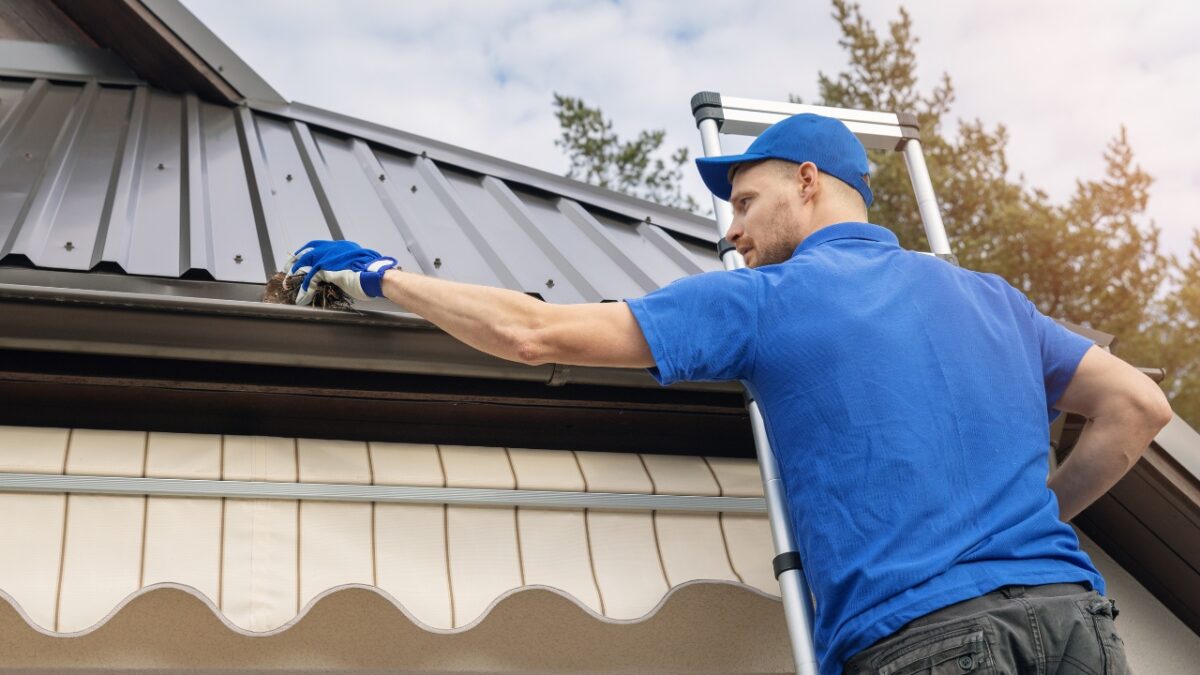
{"type": "Point", "coordinates": [223, 60]}
{"type": "Point", "coordinates": [236, 331]}
{"type": "Point", "coordinates": [20, 58]}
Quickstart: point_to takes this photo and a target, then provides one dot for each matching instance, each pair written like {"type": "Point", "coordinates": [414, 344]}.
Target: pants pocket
{"type": "Point", "coordinates": [941, 653]}
{"type": "Point", "coordinates": [1102, 613]}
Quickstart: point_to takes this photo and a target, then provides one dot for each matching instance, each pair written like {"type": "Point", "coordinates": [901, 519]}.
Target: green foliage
{"type": "Point", "coordinates": [598, 156]}
{"type": "Point", "coordinates": [1179, 345]}
{"type": "Point", "coordinates": [1094, 260]}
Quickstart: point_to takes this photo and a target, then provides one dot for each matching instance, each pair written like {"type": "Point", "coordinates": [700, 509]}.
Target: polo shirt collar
{"type": "Point", "coordinates": [848, 231]}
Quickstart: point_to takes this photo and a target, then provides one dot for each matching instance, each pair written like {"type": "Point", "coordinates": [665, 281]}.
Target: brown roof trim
{"type": "Point", "coordinates": [39, 388]}
{"type": "Point", "coordinates": [150, 48]}
{"type": "Point", "coordinates": [39, 21]}
{"type": "Point", "coordinates": [1149, 522]}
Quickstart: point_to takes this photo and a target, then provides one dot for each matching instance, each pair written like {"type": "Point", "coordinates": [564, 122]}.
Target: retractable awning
{"type": "Point", "coordinates": [258, 582]}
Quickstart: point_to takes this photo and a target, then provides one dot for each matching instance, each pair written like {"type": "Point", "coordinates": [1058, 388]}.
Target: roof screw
{"type": "Point", "coordinates": [549, 283]}
{"type": "Point", "coordinates": [29, 155]}
{"type": "Point", "coordinates": [647, 219]}
{"type": "Point", "coordinates": [220, 69]}
{"type": "Point", "coordinates": [382, 178]}
{"type": "Point", "coordinates": [69, 246]}
{"type": "Point", "coordinates": [288, 177]}
{"type": "Point", "coordinates": [437, 263]}
{"type": "Point", "coordinates": [237, 258]}
{"type": "Point", "coordinates": [160, 166]}
{"type": "Point", "coordinates": [423, 155]}
{"type": "Point", "coordinates": [414, 189]}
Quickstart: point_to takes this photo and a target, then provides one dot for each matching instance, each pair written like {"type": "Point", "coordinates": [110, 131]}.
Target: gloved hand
{"type": "Point", "coordinates": [356, 270]}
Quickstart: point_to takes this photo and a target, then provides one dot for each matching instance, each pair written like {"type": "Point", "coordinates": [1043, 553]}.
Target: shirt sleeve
{"type": "Point", "coordinates": [701, 327]}
{"type": "Point", "coordinates": [1062, 350]}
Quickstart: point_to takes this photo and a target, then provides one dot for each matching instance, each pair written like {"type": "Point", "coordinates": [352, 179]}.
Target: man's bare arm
{"type": "Point", "coordinates": [1125, 410]}
{"type": "Point", "coordinates": [516, 327]}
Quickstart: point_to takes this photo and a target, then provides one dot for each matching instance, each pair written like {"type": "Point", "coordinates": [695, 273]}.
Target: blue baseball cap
{"type": "Point", "coordinates": [801, 138]}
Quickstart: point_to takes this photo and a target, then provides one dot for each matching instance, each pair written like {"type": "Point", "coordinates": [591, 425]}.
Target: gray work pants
{"type": "Point", "coordinates": [1040, 630]}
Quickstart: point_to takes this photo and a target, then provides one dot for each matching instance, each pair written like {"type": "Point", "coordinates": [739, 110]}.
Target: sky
{"type": "Point", "coordinates": [1062, 76]}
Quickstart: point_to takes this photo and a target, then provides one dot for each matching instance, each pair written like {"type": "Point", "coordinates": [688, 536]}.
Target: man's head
{"type": "Point", "coordinates": [801, 174]}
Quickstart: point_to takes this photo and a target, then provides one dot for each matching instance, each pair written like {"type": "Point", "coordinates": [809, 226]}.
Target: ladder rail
{"type": "Point", "coordinates": [716, 114]}
{"type": "Point", "coordinates": [793, 586]}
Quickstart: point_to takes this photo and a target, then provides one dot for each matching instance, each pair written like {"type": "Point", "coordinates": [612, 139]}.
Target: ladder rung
{"type": "Point", "coordinates": [750, 117]}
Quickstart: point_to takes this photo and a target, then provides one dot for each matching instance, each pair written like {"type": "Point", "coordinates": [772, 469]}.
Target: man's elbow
{"type": "Point", "coordinates": [531, 349]}
{"type": "Point", "coordinates": [1157, 409]}
{"type": "Point", "coordinates": [1148, 411]}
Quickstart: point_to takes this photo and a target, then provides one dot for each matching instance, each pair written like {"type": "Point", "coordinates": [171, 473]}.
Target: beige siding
{"type": "Point", "coordinates": [259, 585]}
{"type": "Point", "coordinates": [410, 539]}
{"type": "Point", "coordinates": [68, 561]}
{"type": "Point", "coordinates": [336, 538]}
{"type": "Point", "coordinates": [183, 534]}
{"type": "Point", "coordinates": [746, 535]}
{"type": "Point", "coordinates": [31, 526]}
{"type": "Point", "coordinates": [625, 557]}
{"type": "Point", "coordinates": [554, 542]}
{"type": "Point", "coordinates": [102, 545]}
{"type": "Point", "coordinates": [485, 559]}
{"type": "Point", "coordinates": [692, 544]}
{"type": "Point", "coordinates": [261, 561]}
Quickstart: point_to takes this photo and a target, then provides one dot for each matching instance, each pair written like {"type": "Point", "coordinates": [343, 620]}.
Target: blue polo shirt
{"type": "Point", "coordinates": [908, 403]}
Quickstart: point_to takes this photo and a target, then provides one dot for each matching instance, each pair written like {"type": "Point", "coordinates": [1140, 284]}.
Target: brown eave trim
{"type": "Point", "coordinates": [232, 331]}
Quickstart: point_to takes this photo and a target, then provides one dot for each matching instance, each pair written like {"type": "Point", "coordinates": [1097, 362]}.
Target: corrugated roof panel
{"type": "Point", "coordinates": [439, 225]}
{"type": "Point", "coordinates": [10, 93]}
{"type": "Point", "coordinates": [605, 275]}
{"type": "Point", "coordinates": [515, 207]}
{"type": "Point", "coordinates": [26, 141]}
{"type": "Point", "coordinates": [290, 204]}
{"type": "Point", "coordinates": [353, 201]}
{"type": "Point", "coordinates": [229, 233]}
{"type": "Point", "coordinates": [665, 243]}
{"type": "Point", "coordinates": [652, 257]}
{"type": "Point", "coordinates": [163, 185]}
{"type": "Point", "coordinates": [704, 255]}
{"type": "Point", "coordinates": [58, 228]}
{"type": "Point", "coordinates": [530, 257]}
{"type": "Point", "coordinates": [144, 226]}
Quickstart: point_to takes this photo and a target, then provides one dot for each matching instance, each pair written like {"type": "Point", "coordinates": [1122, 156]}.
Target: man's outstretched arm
{"type": "Point", "coordinates": [1125, 410]}
{"type": "Point", "coordinates": [517, 327]}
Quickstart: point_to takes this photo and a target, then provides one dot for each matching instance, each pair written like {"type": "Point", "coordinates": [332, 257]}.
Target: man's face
{"type": "Point", "coordinates": [768, 212]}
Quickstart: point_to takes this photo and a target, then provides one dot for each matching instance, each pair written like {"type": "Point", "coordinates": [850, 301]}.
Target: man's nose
{"type": "Point", "coordinates": [735, 230]}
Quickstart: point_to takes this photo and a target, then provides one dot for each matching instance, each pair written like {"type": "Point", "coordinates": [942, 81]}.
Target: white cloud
{"type": "Point", "coordinates": [1062, 76]}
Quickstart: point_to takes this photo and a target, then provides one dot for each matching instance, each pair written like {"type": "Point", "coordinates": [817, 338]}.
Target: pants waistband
{"type": "Point", "coordinates": [992, 598]}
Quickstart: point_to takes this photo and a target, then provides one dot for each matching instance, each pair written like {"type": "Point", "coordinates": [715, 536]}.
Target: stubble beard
{"type": "Point", "coordinates": [778, 248]}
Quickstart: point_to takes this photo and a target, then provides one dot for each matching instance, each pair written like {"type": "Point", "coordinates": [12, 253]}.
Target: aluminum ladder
{"type": "Point", "coordinates": [716, 114]}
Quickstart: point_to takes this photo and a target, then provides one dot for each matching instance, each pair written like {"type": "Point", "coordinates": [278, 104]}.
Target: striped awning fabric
{"type": "Point", "coordinates": [70, 561]}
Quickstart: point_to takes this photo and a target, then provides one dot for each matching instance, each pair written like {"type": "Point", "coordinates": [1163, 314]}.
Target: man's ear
{"type": "Point", "coordinates": [808, 180]}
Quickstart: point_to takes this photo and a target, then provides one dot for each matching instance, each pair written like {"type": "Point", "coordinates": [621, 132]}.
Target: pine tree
{"type": "Point", "coordinates": [1093, 260]}
{"type": "Point", "coordinates": [598, 156]}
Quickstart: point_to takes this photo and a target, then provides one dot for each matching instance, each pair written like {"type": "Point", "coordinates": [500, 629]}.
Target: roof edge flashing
{"type": "Point", "coordinates": [220, 58]}
{"type": "Point", "coordinates": [35, 60]}
{"type": "Point", "coordinates": [240, 331]}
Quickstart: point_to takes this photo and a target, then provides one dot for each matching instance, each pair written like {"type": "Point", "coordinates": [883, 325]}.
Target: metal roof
{"type": "Point", "coordinates": [140, 182]}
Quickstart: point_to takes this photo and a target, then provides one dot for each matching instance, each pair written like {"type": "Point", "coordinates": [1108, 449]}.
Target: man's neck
{"type": "Point", "coordinates": [834, 218]}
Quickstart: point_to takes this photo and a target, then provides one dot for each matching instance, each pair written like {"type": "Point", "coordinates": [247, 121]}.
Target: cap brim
{"type": "Point", "coordinates": [714, 171]}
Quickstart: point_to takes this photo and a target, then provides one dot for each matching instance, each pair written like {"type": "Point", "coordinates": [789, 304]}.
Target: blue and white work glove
{"type": "Point", "coordinates": [356, 270]}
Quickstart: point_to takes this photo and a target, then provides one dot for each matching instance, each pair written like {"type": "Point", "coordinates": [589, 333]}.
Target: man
{"type": "Point", "coordinates": [907, 401]}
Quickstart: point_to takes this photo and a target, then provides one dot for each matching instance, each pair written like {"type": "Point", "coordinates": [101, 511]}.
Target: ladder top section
{"type": "Point", "coordinates": [750, 117]}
